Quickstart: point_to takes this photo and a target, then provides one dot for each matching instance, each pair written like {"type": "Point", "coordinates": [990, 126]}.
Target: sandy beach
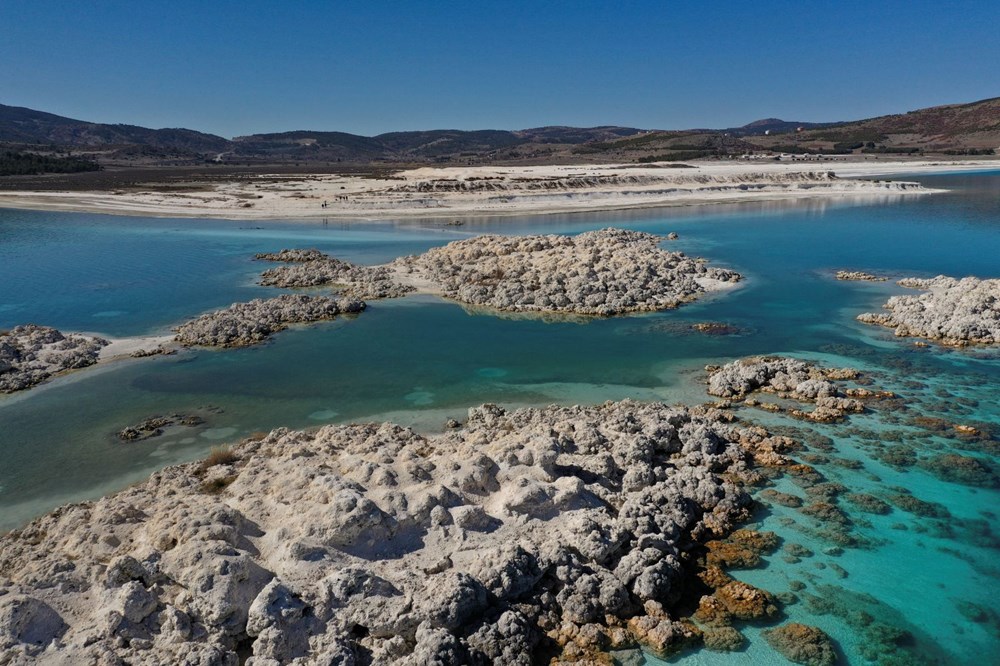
{"type": "Point", "coordinates": [509, 190]}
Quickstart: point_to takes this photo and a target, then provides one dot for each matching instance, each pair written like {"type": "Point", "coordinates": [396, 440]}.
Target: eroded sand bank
{"type": "Point", "coordinates": [496, 190]}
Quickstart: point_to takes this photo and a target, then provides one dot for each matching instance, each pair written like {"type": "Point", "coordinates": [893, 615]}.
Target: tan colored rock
{"type": "Point", "coordinates": [802, 644]}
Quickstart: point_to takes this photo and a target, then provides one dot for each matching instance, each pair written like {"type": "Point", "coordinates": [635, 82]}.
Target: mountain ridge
{"type": "Point", "coordinates": [962, 128]}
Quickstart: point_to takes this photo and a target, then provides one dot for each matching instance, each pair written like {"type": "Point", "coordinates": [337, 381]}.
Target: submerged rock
{"type": "Point", "coordinates": [950, 311]}
{"type": "Point", "coordinates": [30, 354]}
{"type": "Point", "coordinates": [606, 272]}
{"type": "Point", "coordinates": [802, 644]}
{"type": "Point", "coordinates": [243, 324]}
{"type": "Point", "coordinates": [154, 425]}
{"type": "Point", "coordinates": [957, 468]}
{"type": "Point", "coordinates": [571, 527]}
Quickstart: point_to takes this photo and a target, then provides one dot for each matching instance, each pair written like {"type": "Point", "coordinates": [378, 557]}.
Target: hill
{"type": "Point", "coordinates": [957, 129]}
{"type": "Point", "coordinates": [28, 127]}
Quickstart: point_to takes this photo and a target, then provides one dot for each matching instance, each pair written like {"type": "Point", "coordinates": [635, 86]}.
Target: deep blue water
{"type": "Point", "coordinates": [420, 360]}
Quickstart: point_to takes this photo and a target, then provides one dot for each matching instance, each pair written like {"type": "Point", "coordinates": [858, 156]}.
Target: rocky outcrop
{"type": "Point", "coordinates": [31, 354]}
{"type": "Point", "coordinates": [524, 533]}
{"type": "Point", "coordinates": [355, 281]}
{"type": "Point", "coordinates": [802, 644]}
{"type": "Point", "coordinates": [154, 425]}
{"type": "Point", "coordinates": [792, 379]}
{"type": "Point", "coordinates": [606, 272]}
{"type": "Point", "coordinates": [243, 324]}
{"type": "Point", "coordinates": [950, 311]}
{"type": "Point", "coordinates": [289, 256]}
{"type": "Point", "coordinates": [859, 276]}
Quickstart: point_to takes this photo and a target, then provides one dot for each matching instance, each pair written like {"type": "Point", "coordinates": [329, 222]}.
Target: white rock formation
{"type": "Point", "coordinates": [243, 324]}
{"type": "Point", "coordinates": [860, 276]}
{"type": "Point", "coordinates": [31, 354]}
{"type": "Point", "coordinates": [790, 378]}
{"type": "Point", "coordinates": [517, 534]}
{"type": "Point", "coordinates": [606, 272]}
{"type": "Point", "coordinates": [289, 256]}
{"type": "Point", "coordinates": [355, 281]}
{"type": "Point", "coordinates": [950, 311]}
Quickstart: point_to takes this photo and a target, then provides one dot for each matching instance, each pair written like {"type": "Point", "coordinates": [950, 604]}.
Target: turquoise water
{"type": "Point", "coordinates": [421, 360]}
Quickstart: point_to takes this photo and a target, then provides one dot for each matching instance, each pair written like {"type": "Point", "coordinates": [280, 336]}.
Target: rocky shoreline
{"type": "Point", "coordinates": [602, 273]}
{"type": "Point", "coordinates": [951, 311]}
{"type": "Point", "coordinates": [31, 354]}
{"type": "Point", "coordinates": [244, 324]}
{"type": "Point", "coordinates": [556, 533]}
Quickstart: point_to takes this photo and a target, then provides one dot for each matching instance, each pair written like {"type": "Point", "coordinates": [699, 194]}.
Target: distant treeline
{"type": "Point", "coordinates": [971, 151]}
{"type": "Point", "coordinates": [29, 164]}
{"type": "Point", "coordinates": [680, 155]}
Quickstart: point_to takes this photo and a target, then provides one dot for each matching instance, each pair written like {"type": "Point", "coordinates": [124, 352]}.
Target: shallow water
{"type": "Point", "coordinates": [421, 360]}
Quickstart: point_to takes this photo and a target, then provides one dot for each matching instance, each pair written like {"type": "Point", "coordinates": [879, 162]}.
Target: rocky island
{"type": "Point", "coordinates": [31, 354]}
{"type": "Point", "coordinates": [859, 276]}
{"type": "Point", "coordinates": [955, 312]}
{"type": "Point", "coordinates": [563, 530]}
{"type": "Point", "coordinates": [312, 268]}
{"type": "Point", "coordinates": [244, 324]}
{"type": "Point", "coordinates": [606, 272]}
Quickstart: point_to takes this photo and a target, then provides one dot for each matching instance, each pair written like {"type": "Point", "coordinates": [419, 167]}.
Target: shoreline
{"type": "Point", "coordinates": [455, 192]}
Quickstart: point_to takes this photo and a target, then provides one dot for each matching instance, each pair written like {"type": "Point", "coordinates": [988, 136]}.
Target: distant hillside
{"type": "Point", "coordinates": [434, 145]}
{"type": "Point", "coordinates": [774, 125]}
{"type": "Point", "coordinates": [26, 126]}
{"type": "Point", "coordinates": [957, 129]}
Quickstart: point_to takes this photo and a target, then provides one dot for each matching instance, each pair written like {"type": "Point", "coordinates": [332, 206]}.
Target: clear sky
{"type": "Point", "coordinates": [238, 67]}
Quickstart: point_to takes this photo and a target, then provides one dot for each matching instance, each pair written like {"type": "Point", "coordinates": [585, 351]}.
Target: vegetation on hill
{"type": "Point", "coordinates": [29, 164]}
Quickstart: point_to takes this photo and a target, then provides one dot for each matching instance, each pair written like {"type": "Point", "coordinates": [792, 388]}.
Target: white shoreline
{"type": "Point", "coordinates": [349, 197]}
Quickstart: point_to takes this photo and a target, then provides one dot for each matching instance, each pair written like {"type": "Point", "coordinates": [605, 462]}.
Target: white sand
{"type": "Point", "coordinates": [513, 190]}
{"type": "Point", "coordinates": [125, 347]}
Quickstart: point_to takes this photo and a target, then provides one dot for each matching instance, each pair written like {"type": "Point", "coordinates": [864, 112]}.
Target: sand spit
{"type": "Point", "coordinates": [31, 354]}
{"type": "Point", "coordinates": [606, 272]}
{"type": "Point", "coordinates": [522, 534]}
{"type": "Point", "coordinates": [493, 190]}
{"type": "Point", "coordinates": [954, 312]}
{"type": "Point", "coordinates": [244, 324]}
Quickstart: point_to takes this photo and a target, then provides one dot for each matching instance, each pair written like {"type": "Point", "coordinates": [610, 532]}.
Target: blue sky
{"type": "Point", "coordinates": [235, 68]}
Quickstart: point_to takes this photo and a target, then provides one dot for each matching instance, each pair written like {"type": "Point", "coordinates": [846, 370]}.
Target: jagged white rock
{"type": "Point", "coordinates": [365, 282]}
{"type": "Point", "coordinates": [243, 324]}
{"type": "Point", "coordinates": [606, 272]}
{"type": "Point", "coordinates": [792, 378]}
{"type": "Point", "coordinates": [374, 543]}
{"type": "Point", "coordinates": [30, 354]}
{"type": "Point", "coordinates": [951, 311]}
